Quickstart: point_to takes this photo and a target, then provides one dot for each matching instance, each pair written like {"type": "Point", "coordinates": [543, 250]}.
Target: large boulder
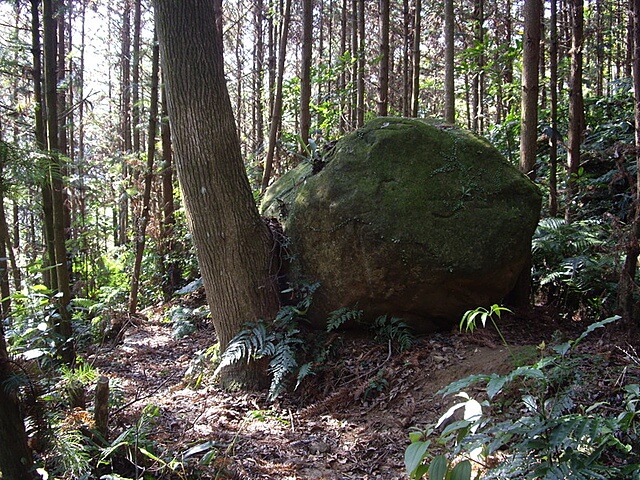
{"type": "Point", "coordinates": [408, 218]}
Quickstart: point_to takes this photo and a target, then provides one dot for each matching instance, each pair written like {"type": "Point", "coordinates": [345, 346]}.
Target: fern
{"type": "Point", "coordinates": [250, 343]}
{"type": "Point", "coordinates": [339, 317]}
{"type": "Point", "coordinates": [283, 362]}
{"type": "Point", "coordinates": [393, 329]}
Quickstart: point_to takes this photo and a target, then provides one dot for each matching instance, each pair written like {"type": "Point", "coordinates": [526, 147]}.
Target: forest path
{"type": "Point", "coordinates": [351, 422]}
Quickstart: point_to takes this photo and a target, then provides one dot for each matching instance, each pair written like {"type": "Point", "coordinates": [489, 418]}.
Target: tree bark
{"type": "Point", "coordinates": [47, 210]}
{"type": "Point", "coordinates": [627, 285]}
{"type": "Point", "coordinates": [57, 187]}
{"type": "Point", "coordinates": [417, 33]}
{"type": "Point", "coordinates": [530, 87]}
{"type": "Point", "coordinates": [5, 300]}
{"type": "Point", "coordinates": [360, 90]}
{"type": "Point", "coordinates": [383, 87]}
{"type": "Point", "coordinates": [234, 245]}
{"type": "Point", "coordinates": [553, 91]}
{"type": "Point", "coordinates": [148, 178]}
{"type": "Point", "coordinates": [576, 104]}
{"type": "Point", "coordinates": [135, 77]}
{"type": "Point", "coordinates": [170, 264]}
{"type": "Point", "coordinates": [521, 294]}
{"type": "Point", "coordinates": [449, 66]}
{"type": "Point", "coordinates": [125, 121]}
{"type": "Point", "coordinates": [15, 457]}
{"type": "Point", "coordinates": [276, 111]}
{"type": "Point", "coordinates": [258, 105]}
{"type": "Point", "coordinates": [305, 73]}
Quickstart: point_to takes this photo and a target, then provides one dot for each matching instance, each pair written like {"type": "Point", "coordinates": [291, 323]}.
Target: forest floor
{"type": "Point", "coordinates": [352, 422]}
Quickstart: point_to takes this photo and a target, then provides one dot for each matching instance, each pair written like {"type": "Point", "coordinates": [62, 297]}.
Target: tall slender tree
{"type": "Point", "coordinates": [145, 215]}
{"type": "Point", "coordinates": [361, 56]}
{"type": "Point", "coordinates": [627, 285]}
{"type": "Point", "coordinates": [576, 104]}
{"type": "Point", "coordinates": [383, 86]}
{"type": "Point", "coordinates": [553, 92]}
{"type": "Point", "coordinates": [530, 87]}
{"type": "Point", "coordinates": [449, 65]}
{"type": "Point", "coordinates": [305, 72]}
{"type": "Point", "coordinates": [417, 35]}
{"type": "Point", "coordinates": [56, 169]}
{"type": "Point", "coordinates": [234, 245]}
{"type": "Point", "coordinates": [276, 110]}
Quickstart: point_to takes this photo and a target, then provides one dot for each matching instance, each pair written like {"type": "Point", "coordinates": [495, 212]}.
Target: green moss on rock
{"type": "Point", "coordinates": [410, 218]}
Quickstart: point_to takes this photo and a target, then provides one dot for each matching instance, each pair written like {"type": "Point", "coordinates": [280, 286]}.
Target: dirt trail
{"type": "Point", "coordinates": [348, 425]}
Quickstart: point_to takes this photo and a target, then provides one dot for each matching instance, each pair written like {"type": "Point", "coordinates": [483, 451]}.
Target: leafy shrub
{"type": "Point", "coordinates": [185, 319]}
{"type": "Point", "coordinates": [571, 263]}
{"type": "Point", "coordinates": [550, 434]}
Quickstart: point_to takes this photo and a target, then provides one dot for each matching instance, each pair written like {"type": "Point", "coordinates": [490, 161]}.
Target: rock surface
{"type": "Point", "coordinates": [408, 218]}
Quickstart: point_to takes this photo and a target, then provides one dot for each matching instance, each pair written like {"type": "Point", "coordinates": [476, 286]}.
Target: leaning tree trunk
{"type": "Point", "coordinates": [234, 245]}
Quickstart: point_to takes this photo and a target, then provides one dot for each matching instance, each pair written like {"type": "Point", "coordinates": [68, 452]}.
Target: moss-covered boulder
{"type": "Point", "coordinates": [407, 218]}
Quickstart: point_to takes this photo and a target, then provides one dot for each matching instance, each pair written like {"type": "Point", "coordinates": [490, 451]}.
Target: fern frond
{"type": "Point", "coordinates": [304, 371]}
{"type": "Point", "coordinates": [339, 317]}
{"type": "Point", "coordinates": [394, 329]}
{"type": "Point", "coordinates": [251, 342]}
{"type": "Point", "coordinates": [281, 365]}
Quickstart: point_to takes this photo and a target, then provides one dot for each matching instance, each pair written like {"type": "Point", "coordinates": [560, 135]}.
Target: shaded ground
{"type": "Point", "coordinates": [349, 423]}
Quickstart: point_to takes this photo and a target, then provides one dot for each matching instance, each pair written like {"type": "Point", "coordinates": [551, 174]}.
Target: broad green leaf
{"type": "Point", "coordinates": [495, 385]}
{"type": "Point", "coordinates": [438, 468]}
{"type": "Point", "coordinates": [461, 471]}
{"type": "Point", "coordinates": [413, 456]}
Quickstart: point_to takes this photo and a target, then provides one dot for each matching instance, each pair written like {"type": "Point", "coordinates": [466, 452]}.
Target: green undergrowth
{"type": "Point", "coordinates": [539, 421]}
{"type": "Point", "coordinates": [294, 350]}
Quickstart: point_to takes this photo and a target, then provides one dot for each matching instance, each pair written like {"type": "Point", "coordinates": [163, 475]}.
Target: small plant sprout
{"type": "Point", "coordinates": [470, 319]}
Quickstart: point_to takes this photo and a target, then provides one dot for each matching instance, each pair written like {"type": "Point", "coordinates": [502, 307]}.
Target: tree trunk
{"type": "Point", "coordinates": [530, 87]}
{"type": "Point", "coordinates": [50, 258]}
{"type": "Point", "coordinates": [576, 104]}
{"type": "Point", "coordinates": [342, 77]}
{"type": "Point", "coordinates": [449, 66]}
{"type": "Point", "coordinates": [627, 285]}
{"type": "Point", "coordinates": [57, 188]}
{"type": "Point", "coordinates": [5, 303]}
{"type": "Point", "coordinates": [135, 77]}
{"type": "Point", "coordinates": [406, 58]}
{"type": "Point", "coordinates": [553, 91]}
{"type": "Point", "coordinates": [360, 106]}
{"type": "Point", "coordinates": [125, 121]}
{"type": "Point", "coordinates": [171, 266]}
{"type": "Point", "coordinates": [15, 457]}
{"type": "Point", "coordinates": [383, 88]}
{"type": "Point", "coordinates": [276, 112]}
{"type": "Point", "coordinates": [342, 80]}
{"type": "Point", "coordinates": [234, 245]}
{"type": "Point", "coordinates": [148, 178]}
{"type": "Point", "coordinates": [258, 106]}
{"type": "Point", "coordinates": [521, 294]}
{"type": "Point", "coordinates": [417, 33]}
{"type": "Point", "coordinates": [305, 73]}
